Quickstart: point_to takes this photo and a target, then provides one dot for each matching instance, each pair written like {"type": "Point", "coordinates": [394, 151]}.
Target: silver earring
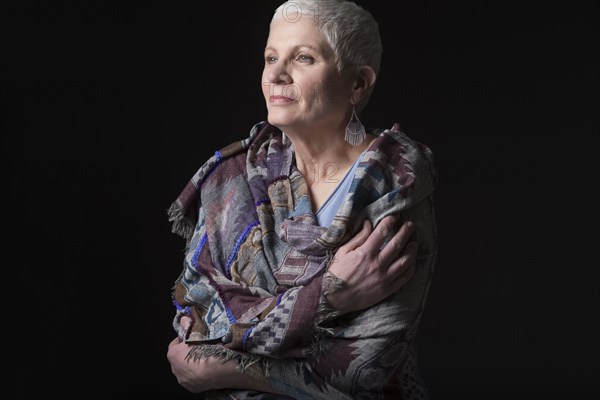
{"type": "Point", "coordinates": [355, 130]}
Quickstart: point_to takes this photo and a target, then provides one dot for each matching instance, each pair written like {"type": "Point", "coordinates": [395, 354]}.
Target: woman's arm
{"type": "Point", "coordinates": [210, 373]}
{"type": "Point", "coordinates": [370, 269]}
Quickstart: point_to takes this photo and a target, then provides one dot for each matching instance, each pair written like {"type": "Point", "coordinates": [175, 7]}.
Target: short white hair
{"type": "Point", "coordinates": [349, 29]}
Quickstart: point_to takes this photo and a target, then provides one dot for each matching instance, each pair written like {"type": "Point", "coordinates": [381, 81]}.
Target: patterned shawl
{"type": "Point", "coordinates": [255, 270]}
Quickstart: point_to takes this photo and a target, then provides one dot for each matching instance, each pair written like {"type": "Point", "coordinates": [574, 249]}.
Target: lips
{"type": "Point", "coordinates": [280, 99]}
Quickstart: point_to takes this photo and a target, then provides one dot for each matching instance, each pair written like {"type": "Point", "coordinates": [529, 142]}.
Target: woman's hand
{"type": "Point", "coordinates": [208, 373]}
{"type": "Point", "coordinates": [371, 273]}
{"type": "Point", "coordinates": [195, 375]}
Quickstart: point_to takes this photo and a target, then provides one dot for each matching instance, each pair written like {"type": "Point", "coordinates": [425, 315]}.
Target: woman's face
{"type": "Point", "coordinates": [300, 81]}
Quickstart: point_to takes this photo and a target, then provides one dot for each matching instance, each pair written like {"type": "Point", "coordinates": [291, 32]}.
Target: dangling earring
{"type": "Point", "coordinates": [355, 130]}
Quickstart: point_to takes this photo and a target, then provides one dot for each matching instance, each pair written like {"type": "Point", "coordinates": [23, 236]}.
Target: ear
{"type": "Point", "coordinates": [364, 82]}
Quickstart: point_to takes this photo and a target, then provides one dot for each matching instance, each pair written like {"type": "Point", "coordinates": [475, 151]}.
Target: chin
{"type": "Point", "coordinates": [279, 120]}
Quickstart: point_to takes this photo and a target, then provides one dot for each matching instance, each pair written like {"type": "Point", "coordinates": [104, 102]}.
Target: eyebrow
{"type": "Point", "coordinates": [296, 47]}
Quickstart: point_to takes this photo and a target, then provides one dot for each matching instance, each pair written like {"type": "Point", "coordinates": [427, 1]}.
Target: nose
{"type": "Point", "coordinates": [277, 73]}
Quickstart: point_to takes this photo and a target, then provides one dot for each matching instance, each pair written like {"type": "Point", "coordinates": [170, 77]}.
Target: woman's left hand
{"type": "Point", "coordinates": [194, 375]}
{"type": "Point", "coordinates": [201, 375]}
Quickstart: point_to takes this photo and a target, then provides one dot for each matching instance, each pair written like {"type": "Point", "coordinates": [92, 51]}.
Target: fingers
{"type": "Point", "coordinates": [377, 238]}
{"type": "Point", "coordinates": [404, 277]}
{"type": "Point", "coordinates": [359, 238]}
{"type": "Point", "coordinates": [400, 268]}
{"type": "Point", "coordinates": [397, 243]}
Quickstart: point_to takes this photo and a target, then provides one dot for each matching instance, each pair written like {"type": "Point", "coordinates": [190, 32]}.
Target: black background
{"type": "Point", "coordinates": [109, 107]}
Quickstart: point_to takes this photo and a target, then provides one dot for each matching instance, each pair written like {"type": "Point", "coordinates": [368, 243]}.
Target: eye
{"type": "Point", "coordinates": [304, 58]}
{"type": "Point", "coordinates": [270, 59]}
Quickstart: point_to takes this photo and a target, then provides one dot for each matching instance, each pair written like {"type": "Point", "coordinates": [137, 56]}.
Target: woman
{"type": "Point", "coordinates": [279, 296]}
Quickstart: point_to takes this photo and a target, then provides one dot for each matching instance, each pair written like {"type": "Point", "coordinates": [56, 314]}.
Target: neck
{"type": "Point", "coordinates": [322, 153]}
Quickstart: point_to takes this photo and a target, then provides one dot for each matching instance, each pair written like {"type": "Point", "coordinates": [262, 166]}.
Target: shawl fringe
{"type": "Point", "coordinates": [331, 283]}
{"type": "Point", "coordinates": [244, 360]}
{"type": "Point", "coordinates": [181, 225]}
{"type": "Point", "coordinates": [325, 312]}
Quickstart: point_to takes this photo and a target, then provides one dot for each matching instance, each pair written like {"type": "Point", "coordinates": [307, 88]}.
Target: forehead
{"type": "Point", "coordinates": [285, 33]}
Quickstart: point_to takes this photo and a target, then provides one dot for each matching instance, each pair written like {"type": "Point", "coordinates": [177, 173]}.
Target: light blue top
{"type": "Point", "coordinates": [329, 209]}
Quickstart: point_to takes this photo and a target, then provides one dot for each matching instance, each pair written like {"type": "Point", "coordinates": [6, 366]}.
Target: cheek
{"type": "Point", "coordinates": [325, 94]}
{"type": "Point", "coordinates": [264, 84]}
{"type": "Point", "coordinates": [333, 92]}
{"type": "Point", "coordinates": [327, 90]}
{"type": "Point", "coordinates": [305, 90]}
